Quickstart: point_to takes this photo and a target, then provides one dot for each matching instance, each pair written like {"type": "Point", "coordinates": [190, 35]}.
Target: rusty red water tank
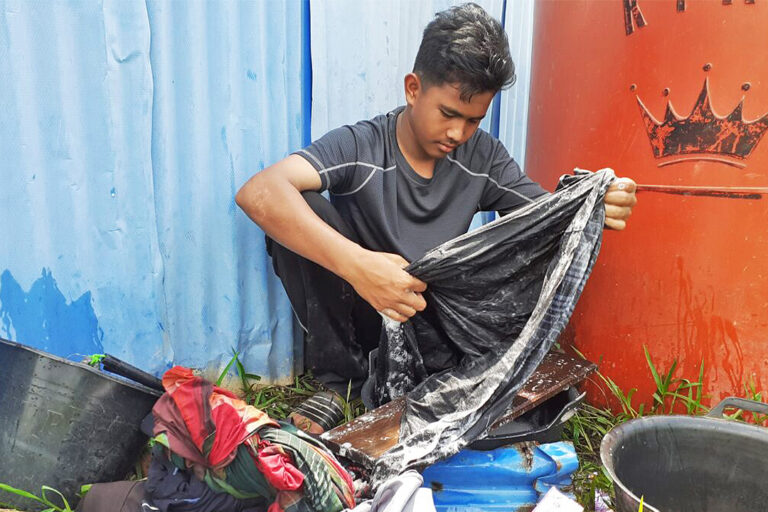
{"type": "Point", "coordinates": [673, 94]}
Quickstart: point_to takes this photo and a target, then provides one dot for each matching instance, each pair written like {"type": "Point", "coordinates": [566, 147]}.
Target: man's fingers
{"type": "Point", "coordinates": [621, 192]}
{"type": "Point", "coordinates": [617, 212]}
{"type": "Point", "coordinates": [410, 303]}
{"type": "Point", "coordinates": [390, 289]}
{"type": "Point", "coordinates": [620, 198]}
{"type": "Point", "coordinates": [405, 310]}
{"type": "Point", "coordinates": [616, 216]}
{"type": "Point", "coordinates": [417, 285]}
{"type": "Point", "coordinates": [394, 315]}
{"type": "Point", "coordinates": [623, 184]}
{"type": "Point", "coordinates": [422, 304]}
{"type": "Point", "coordinates": [619, 201]}
{"type": "Point", "coordinates": [616, 224]}
{"type": "Point", "coordinates": [415, 300]}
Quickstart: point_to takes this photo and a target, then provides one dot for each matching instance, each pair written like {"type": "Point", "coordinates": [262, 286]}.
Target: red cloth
{"type": "Point", "coordinates": [207, 423]}
{"type": "Point", "coordinates": [277, 467]}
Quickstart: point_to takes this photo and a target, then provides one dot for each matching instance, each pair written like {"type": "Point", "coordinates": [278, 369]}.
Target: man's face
{"type": "Point", "coordinates": [441, 120]}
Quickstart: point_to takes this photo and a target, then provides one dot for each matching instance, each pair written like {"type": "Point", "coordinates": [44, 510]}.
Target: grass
{"type": "Point", "coordinates": [279, 400]}
{"type": "Point", "coordinates": [750, 393]}
{"type": "Point", "coordinates": [586, 430]}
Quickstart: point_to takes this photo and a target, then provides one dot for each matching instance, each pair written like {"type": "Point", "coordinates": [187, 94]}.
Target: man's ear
{"type": "Point", "coordinates": [413, 88]}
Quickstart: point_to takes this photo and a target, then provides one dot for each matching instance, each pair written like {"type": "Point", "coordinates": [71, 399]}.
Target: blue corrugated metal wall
{"type": "Point", "coordinates": [127, 126]}
{"type": "Point", "coordinates": [126, 129]}
{"type": "Point", "coordinates": [513, 121]}
{"type": "Point", "coordinates": [80, 266]}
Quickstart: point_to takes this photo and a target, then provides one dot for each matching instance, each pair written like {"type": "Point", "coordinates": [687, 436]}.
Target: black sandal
{"type": "Point", "coordinates": [325, 408]}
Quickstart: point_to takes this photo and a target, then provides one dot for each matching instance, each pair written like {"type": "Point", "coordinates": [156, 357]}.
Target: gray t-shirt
{"type": "Point", "coordinates": [391, 207]}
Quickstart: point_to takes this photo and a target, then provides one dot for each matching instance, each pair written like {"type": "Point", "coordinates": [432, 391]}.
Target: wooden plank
{"type": "Point", "coordinates": [556, 372]}
{"type": "Point", "coordinates": [365, 438]}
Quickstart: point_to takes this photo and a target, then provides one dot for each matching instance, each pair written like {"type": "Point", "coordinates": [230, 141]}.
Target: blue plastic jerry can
{"type": "Point", "coordinates": [511, 478]}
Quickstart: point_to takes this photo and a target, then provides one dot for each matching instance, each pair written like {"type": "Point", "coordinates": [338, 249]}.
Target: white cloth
{"type": "Point", "coordinates": [400, 494]}
{"type": "Point", "coordinates": [555, 501]}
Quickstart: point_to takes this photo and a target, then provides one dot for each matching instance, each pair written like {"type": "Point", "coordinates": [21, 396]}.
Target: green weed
{"type": "Point", "coordinates": [95, 360]}
{"type": "Point", "coordinates": [671, 390]}
{"type": "Point", "coordinates": [750, 393]}
{"type": "Point", "coordinates": [63, 506]}
{"type": "Point", "coordinates": [352, 407]}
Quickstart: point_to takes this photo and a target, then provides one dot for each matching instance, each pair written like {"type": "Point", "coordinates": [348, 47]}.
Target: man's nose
{"type": "Point", "coordinates": [456, 131]}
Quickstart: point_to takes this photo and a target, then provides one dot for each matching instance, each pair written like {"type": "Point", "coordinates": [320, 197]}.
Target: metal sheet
{"type": "Point", "coordinates": [127, 128]}
{"type": "Point", "coordinates": [227, 103]}
{"type": "Point", "coordinates": [78, 262]}
{"type": "Point", "coordinates": [513, 120]}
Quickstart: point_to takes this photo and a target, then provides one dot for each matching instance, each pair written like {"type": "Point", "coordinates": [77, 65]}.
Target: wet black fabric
{"type": "Point", "coordinates": [170, 489]}
{"type": "Point", "coordinates": [340, 328]}
{"type": "Point", "coordinates": [501, 294]}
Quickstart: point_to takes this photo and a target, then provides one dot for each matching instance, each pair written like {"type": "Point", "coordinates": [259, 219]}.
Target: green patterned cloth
{"type": "Point", "coordinates": [323, 485]}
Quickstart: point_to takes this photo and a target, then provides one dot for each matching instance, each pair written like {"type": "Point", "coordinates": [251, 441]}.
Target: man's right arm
{"type": "Point", "coordinates": [272, 199]}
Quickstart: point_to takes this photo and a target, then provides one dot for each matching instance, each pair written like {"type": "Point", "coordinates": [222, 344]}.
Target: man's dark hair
{"type": "Point", "coordinates": [466, 46]}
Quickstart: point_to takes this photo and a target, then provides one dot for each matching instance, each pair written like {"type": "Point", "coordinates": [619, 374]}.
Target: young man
{"type": "Point", "coordinates": [400, 184]}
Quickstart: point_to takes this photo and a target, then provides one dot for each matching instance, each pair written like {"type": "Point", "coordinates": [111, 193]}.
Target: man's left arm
{"type": "Point", "coordinates": [619, 201]}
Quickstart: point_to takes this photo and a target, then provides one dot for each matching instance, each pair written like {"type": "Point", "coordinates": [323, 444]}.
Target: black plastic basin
{"type": "Point", "coordinates": [65, 424]}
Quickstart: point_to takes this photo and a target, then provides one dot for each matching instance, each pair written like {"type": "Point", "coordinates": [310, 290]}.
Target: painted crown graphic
{"type": "Point", "coordinates": [703, 132]}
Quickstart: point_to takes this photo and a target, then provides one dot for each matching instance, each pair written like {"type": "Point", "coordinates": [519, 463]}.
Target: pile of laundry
{"type": "Point", "coordinates": [215, 453]}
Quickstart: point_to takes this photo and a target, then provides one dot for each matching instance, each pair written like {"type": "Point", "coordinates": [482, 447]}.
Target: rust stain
{"type": "Point", "coordinates": [703, 335]}
{"type": "Point", "coordinates": [525, 449]}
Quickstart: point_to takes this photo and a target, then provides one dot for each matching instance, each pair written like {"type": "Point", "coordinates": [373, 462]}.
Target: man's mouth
{"type": "Point", "coordinates": [446, 148]}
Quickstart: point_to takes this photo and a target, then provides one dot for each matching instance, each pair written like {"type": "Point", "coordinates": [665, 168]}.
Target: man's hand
{"type": "Point", "coordinates": [619, 201]}
{"type": "Point", "coordinates": [379, 278]}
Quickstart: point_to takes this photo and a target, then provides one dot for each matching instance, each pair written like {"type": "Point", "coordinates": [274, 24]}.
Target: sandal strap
{"type": "Point", "coordinates": [324, 408]}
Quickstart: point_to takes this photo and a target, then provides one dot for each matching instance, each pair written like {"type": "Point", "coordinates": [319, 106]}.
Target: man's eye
{"type": "Point", "coordinates": [446, 114]}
